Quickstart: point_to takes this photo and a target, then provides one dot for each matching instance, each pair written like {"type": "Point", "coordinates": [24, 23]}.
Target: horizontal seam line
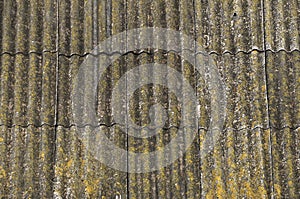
{"type": "Point", "coordinates": [165, 128]}
{"type": "Point", "coordinates": [150, 52]}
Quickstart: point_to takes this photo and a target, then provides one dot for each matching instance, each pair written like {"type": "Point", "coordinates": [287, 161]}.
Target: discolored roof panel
{"type": "Point", "coordinates": [27, 94]}
{"type": "Point", "coordinates": [229, 26]}
{"type": "Point", "coordinates": [46, 152]}
{"type": "Point", "coordinates": [283, 80]}
{"type": "Point", "coordinates": [282, 25]}
{"type": "Point", "coordinates": [283, 83]}
{"type": "Point", "coordinates": [29, 26]}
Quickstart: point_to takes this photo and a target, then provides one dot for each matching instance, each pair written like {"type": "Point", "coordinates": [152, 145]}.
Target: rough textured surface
{"type": "Point", "coordinates": [253, 43]}
{"type": "Point", "coordinates": [282, 25]}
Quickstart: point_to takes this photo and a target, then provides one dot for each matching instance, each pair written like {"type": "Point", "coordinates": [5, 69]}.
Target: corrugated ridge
{"type": "Point", "coordinates": [1, 23]}
{"type": "Point", "coordinates": [189, 174]}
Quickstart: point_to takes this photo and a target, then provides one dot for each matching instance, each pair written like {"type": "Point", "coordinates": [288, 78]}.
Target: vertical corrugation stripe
{"type": "Point", "coordinates": [22, 26]}
{"type": "Point", "coordinates": [68, 168]}
{"type": "Point", "coordinates": [7, 69]}
{"type": "Point", "coordinates": [1, 23]}
{"type": "Point", "coordinates": [76, 28]}
{"type": "Point", "coordinates": [118, 68]}
{"type": "Point", "coordinates": [191, 177]}
{"type": "Point", "coordinates": [21, 90]}
{"type": "Point", "coordinates": [36, 26]}
{"type": "Point", "coordinates": [176, 185]}
{"type": "Point", "coordinates": [133, 114]}
{"type": "Point", "coordinates": [87, 173]}
{"type": "Point", "coordinates": [64, 23]}
{"type": "Point", "coordinates": [8, 26]}
{"type": "Point", "coordinates": [139, 183]}
{"type": "Point", "coordinates": [3, 165]}
{"type": "Point", "coordinates": [7, 87]}
{"type": "Point", "coordinates": [9, 162]}
{"type": "Point", "coordinates": [159, 179]}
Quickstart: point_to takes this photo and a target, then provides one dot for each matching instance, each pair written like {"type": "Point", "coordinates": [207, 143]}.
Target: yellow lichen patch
{"type": "Point", "coordinates": [1, 139]}
{"type": "Point", "coordinates": [89, 189]}
{"type": "Point", "coordinates": [249, 191]}
{"type": "Point", "coordinates": [261, 192]}
{"type": "Point", "coordinates": [210, 194]}
{"type": "Point", "coordinates": [221, 193]}
{"type": "Point", "coordinates": [277, 189]}
{"type": "Point", "coordinates": [69, 163]}
{"type": "Point", "coordinates": [91, 186]}
{"type": "Point", "coordinates": [2, 173]}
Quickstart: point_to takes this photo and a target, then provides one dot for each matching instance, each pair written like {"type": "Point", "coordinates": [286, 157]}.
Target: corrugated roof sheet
{"type": "Point", "coordinates": [282, 25]}
{"type": "Point", "coordinates": [255, 46]}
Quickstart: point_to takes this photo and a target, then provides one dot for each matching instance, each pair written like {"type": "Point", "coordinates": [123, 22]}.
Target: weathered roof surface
{"type": "Point", "coordinates": [255, 46]}
{"type": "Point", "coordinates": [282, 25]}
